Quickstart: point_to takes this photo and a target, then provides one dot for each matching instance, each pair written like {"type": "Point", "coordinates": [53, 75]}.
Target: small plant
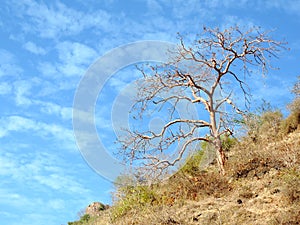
{"type": "Point", "coordinates": [292, 122]}
{"type": "Point", "coordinates": [83, 220]}
{"type": "Point", "coordinates": [132, 197]}
{"type": "Point", "coordinates": [102, 207]}
{"type": "Point", "coordinates": [200, 159]}
{"type": "Point", "coordinates": [192, 163]}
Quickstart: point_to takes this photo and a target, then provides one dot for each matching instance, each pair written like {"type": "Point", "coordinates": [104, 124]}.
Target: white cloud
{"type": "Point", "coordinates": [8, 66]}
{"type": "Point", "coordinates": [227, 3]}
{"type": "Point", "coordinates": [56, 19]}
{"type": "Point", "coordinates": [23, 94]}
{"type": "Point", "coordinates": [232, 21]}
{"type": "Point", "coordinates": [57, 204]}
{"type": "Point", "coordinates": [117, 83]}
{"type": "Point", "coordinates": [61, 182]}
{"type": "Point", "coordinates": [55, 109]}
{"type": "Point", "coordinates": [12, 198]}
{"type": "Point", "coordinates": [154, 6]}
{"type": "Point", "coordinates": [49, 69]}
{"type": "Point", "coordinates": [22, 91]}
{"type": "Point", "coordinates": [183, 8]}
{"type": "Point", "coordinates": [5, 88]}
{"type": "Point", "coordinates": [76, 53]}
{"type": "Point", "coordinates": [44, 169]}
{"type": "Point", "coordinates": [33, 48]}
{"type": "Point", "coordinates": [74, 59]}
{"type": "Point", "coordinates": [58, 135]}
{"type": "Point", "coordinates": [21, 124]}
{"type": "Point", "coordinates": [291, 6]}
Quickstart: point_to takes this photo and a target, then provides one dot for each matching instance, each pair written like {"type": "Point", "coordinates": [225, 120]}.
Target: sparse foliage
{"type": "Point", "coordinates": [84, 219]}
{"type": "Point", "coordinates": [205, 74]}
{"type": "Point", "coordinates": [292, 122]}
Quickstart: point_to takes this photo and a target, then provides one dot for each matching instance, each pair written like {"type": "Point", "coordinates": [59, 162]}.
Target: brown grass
{"type": "Point", "coordinates": [261, 187]}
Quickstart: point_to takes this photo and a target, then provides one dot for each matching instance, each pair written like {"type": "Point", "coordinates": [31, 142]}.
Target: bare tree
{"type": "Point", "coordinates": [204, 73]}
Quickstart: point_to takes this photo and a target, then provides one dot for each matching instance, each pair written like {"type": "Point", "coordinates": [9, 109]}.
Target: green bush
{"type": "Point", "coordinates": [192, 163]}
{"type": "Point", "coordinates": [132, 197]}
{"type": "Point", "coordinates": [200, 159]}
{"type": "Point", "coordinates": [228, 142]}
{"type": "Point", "coordinates": [83, 220]}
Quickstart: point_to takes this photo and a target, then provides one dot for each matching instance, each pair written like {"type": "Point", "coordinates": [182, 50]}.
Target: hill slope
{"type": "Point", "coordinates": [261, 187]}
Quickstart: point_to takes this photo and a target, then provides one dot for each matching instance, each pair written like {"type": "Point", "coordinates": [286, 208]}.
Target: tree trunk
{"type": "Point", "coordinates": [221, 158]}
{"type": "Point", "coordinates": [217, 142]}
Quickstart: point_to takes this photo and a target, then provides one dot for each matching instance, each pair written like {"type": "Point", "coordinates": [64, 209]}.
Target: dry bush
{"type": "Point", "coordinates": [290, 182]}
{"type": "Point", "coordinates": [133, 198]}
{"type": "Point", "coordinates": [291, 123]}
{"type": "Point", "coordinates": [249, 159]}
{"type": "Point", "coordinates": [263, 127]}
{"type": "Point", "coordinates": [209, 183]}
{"type": "Point", "coordinates": [270, 143]}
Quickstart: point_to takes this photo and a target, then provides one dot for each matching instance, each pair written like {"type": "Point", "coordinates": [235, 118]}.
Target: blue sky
{"type": "Point", "coordinates": [46, 48]}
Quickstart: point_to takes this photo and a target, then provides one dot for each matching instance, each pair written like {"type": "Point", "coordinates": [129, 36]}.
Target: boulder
{"type": "Point", "coordinates": [95, 208]}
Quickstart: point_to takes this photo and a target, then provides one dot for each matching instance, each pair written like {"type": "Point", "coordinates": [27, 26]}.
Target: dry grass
{"type": "Point", "coordinates": [261, 187]}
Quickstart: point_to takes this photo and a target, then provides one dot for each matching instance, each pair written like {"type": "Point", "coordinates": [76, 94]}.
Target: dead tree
{"type": "Point", "coordinates": [206, 73]}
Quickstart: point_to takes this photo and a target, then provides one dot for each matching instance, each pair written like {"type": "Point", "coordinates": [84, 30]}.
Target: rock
{"type": "Point", "coordinates": [95, 208]}
{"type": "Point", "coordinates": [239, 201]}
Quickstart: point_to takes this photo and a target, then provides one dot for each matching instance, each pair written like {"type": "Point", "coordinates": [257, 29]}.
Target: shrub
{"type": "Point", "coordinates": [291, 123]}
{"type": "Point", "coordinates": [191, 166]}
{"type": "Point", "coordinates": [291, 181]}
{"type": "Point", "coordinates": [200, 159]}
{"type": "Point", "coordinates": [132, 197]}
{"type": "Point", "coordinates": [263, 127]}
{"type": "Point", "coordinates": [206, 183]}
{"type": "Point", "coordinates": [83, 220]}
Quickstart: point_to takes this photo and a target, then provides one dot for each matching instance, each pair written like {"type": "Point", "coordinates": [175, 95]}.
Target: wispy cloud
{"type": "Point", "coordinates": [43, 168]}
{"type": "Point", "coordinates": [55, 109]}
{"type": "Point", "coordinates": [74, 59]}
{"type": "Point", "coordinates": [8, 65]}
{"type": "Point", "coordinates": [56, 19]}
{"type": "Point", "coordinates": [21, 91]}
{"type": "Point", "coordinates": [44, 130]}
{"type": "Point", "coordinates": [33, 48]}
{"type": "Point", "coordinates": [5, 88]}
{"type": "Point", "coordinates": [290, 6]}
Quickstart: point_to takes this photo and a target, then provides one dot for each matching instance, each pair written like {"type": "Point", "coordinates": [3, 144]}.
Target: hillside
{"type": "Point", "coordinates": [261, 185]}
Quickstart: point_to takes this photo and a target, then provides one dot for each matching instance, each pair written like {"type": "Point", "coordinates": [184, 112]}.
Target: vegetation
{"type": "Point", "coordinates": [83, 220]}
{"type": "Point", "coordinates": [293, 120]}
{"type": "Point", "coordinates": [261, 185]}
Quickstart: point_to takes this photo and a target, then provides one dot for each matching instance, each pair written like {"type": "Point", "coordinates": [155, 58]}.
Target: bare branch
{"type": "Point", "coordinates": [198, 74]}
